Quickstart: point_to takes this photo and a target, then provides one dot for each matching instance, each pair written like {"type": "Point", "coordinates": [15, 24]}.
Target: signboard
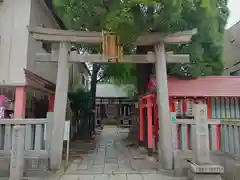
{"type": "Point", "coordinates": [66, 137]}
{"type": "Point", "coordinates": [66, 130]}
{"type": "Point", "coordinates": [173, 117]}
{"type": "Point", "coordinates": [174, 132]}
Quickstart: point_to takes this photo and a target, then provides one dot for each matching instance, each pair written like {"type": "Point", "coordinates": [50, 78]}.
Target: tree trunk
{"type": "Point", "coordinates": [143, 70]}
{"type": "Point", "coordinates": [95, 70]}
{"type": "Point", "coordinates": [143, 75]}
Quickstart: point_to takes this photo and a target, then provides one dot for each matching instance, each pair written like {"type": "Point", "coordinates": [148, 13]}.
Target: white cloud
{"type": "Point", "coordinates": [234, 12]}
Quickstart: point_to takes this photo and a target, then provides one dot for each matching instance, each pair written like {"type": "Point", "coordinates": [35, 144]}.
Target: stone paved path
{"type": "Point", "coordinates": [113, 159]}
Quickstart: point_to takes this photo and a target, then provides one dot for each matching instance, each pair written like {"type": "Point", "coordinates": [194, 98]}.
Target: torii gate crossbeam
{"type": "Point", "coordinates": [97, 58]}
{"type": "Point", "coordinates": [158, 40]}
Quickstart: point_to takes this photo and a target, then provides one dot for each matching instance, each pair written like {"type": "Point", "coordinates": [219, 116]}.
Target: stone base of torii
{"type": "Point", "coordinates": [159, 57]}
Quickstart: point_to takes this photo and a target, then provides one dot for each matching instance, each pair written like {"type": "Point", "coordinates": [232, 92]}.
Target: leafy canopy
{"type": "Point", "coordinates": [130, 18]}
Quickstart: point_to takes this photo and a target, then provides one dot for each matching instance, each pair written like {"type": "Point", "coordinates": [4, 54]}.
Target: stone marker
{"type": "Point", "coordinates": [17, 153]}
{"type": "Point", "coordinates": [201, 134]}
{"type": "Point", "coordinates": [202, 168]}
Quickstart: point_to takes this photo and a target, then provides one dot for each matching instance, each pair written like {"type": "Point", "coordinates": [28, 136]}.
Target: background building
{"type": "Point", "coordinates": [113, 102]}
{"type": "Point", "coordinates": [22, 79]}
{"type": "Point", "coordinates": [231, 53]}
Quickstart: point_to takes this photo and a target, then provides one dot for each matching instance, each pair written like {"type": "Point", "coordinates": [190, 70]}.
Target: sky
{"type": "Point", "coordinates": [234, 17]}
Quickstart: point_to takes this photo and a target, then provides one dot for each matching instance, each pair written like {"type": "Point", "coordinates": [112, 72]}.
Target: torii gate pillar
{"type": "Point", "coordinates": [165, 148]}
{"type": "Point", "coordinates": [60, 105]}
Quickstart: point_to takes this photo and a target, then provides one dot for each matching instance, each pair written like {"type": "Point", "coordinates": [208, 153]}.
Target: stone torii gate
{"type": "Point", "coordinates": [159, 57]}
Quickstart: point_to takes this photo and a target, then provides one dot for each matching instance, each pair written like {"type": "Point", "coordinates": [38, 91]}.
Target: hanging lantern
{"type": "Point", "coordinates": [120, 48]}
{"type": "Point", "coordinates": [112, 49]}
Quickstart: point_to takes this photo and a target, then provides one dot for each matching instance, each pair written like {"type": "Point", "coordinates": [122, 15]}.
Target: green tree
{"type": "Point", "coordinates": [130, 18]}
{"type": "Point", "coordinates": [80, 104]}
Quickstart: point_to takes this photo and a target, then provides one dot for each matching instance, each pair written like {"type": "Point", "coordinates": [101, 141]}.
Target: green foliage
{"type": "Point", "coordinates": [80, 103]}
{"type": "Point", "coordinates": [115, 71]}
{"type": "Point", "coordinates": [210, 18]}
{"type": "Point", "coordinates": [130, 18]}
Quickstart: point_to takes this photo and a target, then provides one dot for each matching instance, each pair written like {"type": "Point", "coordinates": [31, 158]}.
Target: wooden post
{"type": "Point", "coordinates": [209, 107]}
{"type": "Point", "coordinates": [60, 106]}
{"type": "Point", "coordinates": [149, 126]}
{"type": "Point", "coordinates": [232, 105]}
{"type": "Point", "coordinates": [213, 107]}
{"type": "Point", "coordinates": [141, 141]}
{"type": "Point", "coordinates": [216, 131]}
{"type": "Point", "coordinates": [156, 126]}
{"type": "Point", "coordinates": [20, 102]}
{"type": "Point", "coordinates": [165, 148]}
{"type": "Point", "coordinates": [17, 153]}
{"type": "Point", "coordinates": [237, 107]}
{"type": "Point", "coordinates": [51, 103]}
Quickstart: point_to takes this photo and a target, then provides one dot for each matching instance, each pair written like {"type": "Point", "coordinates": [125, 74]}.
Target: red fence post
{"type": "Point", "coordinates": [150, 128]}
{"type": "Point", "coordinates": [141, 141]}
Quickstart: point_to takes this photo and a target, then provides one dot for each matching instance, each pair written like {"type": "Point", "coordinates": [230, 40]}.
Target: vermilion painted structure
{"type": "Point", "coordinates": [220, 93]}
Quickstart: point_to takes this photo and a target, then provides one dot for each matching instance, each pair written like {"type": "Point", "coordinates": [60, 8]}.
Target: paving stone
{"type": "Point", "coordinates": [159, 177]}
{"type": "Point", "coordinates": [124, 171]}
{"type": "Point", "coordinates": [88, 172]}
{"type": "Point", "coordinates": [82, 167]}
{"type": "Point", "coordinates": [77, 177]}
{"type": "Point", "coordinates": [111, 165]}
{"type": "Point", "coordinates": [101, 177]}
{"type": "Point", "coordinates": [96, 169]}
{"type": "Point", "coordinates": [86, 177]}
{"type": "Point", "coordinates": [98, 165]}
{"type": "Point", "coordinates": [68, 177]}
{"type": "Point", "coordinates": [118, 177]}
{"type": "Point", "coordinates": [77, 161]}
{"type": "Point", "coordinates": [112, 160]}
{"type": "Point", "coordinates": [72, 168]}
{"type": "Point", "coordinates": [134, 177]}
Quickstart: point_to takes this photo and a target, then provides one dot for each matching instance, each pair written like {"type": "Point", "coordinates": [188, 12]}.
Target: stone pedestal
{"type": "Point", "coordinates": [195, 176]}
{"type": "Point", "coordinates": [204, 172]}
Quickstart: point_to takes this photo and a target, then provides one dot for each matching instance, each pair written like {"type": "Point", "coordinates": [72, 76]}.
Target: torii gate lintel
{"type": "Point", "coordinates": [98, 58]}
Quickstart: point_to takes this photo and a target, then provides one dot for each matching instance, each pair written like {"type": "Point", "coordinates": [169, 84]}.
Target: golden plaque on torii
{"type": "Point", "coordinates": [111, 46]}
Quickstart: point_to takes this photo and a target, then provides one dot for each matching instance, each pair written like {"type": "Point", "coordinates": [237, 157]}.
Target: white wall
{"type": "Point", "coordinates": [41, 15]}
{"type": "Point", "coordinates": [231, 54]}
{"type": "Point", "coordinates": [77, 71]}
{"type": "Point", "coordinates": [14, 18]}
{"type": "Point", "coordinates": [18, 49]}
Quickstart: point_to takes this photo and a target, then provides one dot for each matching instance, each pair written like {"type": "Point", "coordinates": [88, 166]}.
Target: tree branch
{"type": "Point", "coordinates": [98, 67]}
{"type": "Point", "coordinates": [105, 5]}
{"type": "Point", "coordinates": [101, 78]}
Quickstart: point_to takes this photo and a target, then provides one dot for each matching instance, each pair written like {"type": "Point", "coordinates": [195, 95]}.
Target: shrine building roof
{"type": "Point", "coordinates": [209, 86]}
